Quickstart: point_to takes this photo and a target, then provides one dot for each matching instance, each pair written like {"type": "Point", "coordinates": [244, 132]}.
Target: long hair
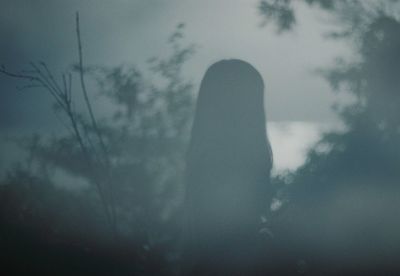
{"type": "Point", "coordinates": [229, 159]}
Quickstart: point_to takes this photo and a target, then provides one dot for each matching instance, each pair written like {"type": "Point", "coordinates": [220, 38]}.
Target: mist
{"type": "Point", "coordinates": [200, 138]}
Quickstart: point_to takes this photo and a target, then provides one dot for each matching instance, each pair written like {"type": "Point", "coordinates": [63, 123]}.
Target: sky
{"type": "Point", "coordinates": [298, 104]}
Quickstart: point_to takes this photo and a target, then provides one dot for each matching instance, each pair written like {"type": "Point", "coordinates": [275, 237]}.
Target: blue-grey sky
{"type": "Point", "coordinates": [129, 32]}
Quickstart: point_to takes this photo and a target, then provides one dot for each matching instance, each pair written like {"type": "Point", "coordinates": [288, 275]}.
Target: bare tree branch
{"type": "Point", "coordinates": [94, 122]}
{"type": "Point", "coordinates": [84, 90]}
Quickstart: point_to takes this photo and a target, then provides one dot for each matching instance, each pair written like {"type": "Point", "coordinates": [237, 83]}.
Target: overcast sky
{"type": "Point", "coordinates": [129, 32]}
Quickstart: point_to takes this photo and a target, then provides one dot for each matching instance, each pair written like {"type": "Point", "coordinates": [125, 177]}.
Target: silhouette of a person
{"type": "Point", "coordinates": [228, 169]}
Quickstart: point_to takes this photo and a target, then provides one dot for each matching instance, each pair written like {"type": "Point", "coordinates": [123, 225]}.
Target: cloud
{"type": "Point", "coordinates": [290, 141]}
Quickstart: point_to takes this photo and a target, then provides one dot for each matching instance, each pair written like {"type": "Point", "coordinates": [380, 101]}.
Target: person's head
{"type": "Point", "coordinates": [230, 119]}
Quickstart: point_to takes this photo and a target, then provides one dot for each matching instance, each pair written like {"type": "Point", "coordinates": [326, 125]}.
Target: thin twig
{"type": "Point", "coordinates": [29, 86]}
{"type": "Point", "coordinates": [44, 78]}
{"type": "Point", "coordinates": [39, 80]}
{"type": "Point", "coordinates": [51, 77]}
{"type": "Point", "coordinates": [83, 86]}
{"type": "Point", "coordinates": [19, 76]}
{"type": "Point", "coordinates": [94, 122]}
{"type": "Point", "coordinates": [69, 90]}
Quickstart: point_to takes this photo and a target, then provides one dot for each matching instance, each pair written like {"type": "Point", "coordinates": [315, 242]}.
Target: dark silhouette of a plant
{"type": "Point", "coordinates": [135, 152]}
